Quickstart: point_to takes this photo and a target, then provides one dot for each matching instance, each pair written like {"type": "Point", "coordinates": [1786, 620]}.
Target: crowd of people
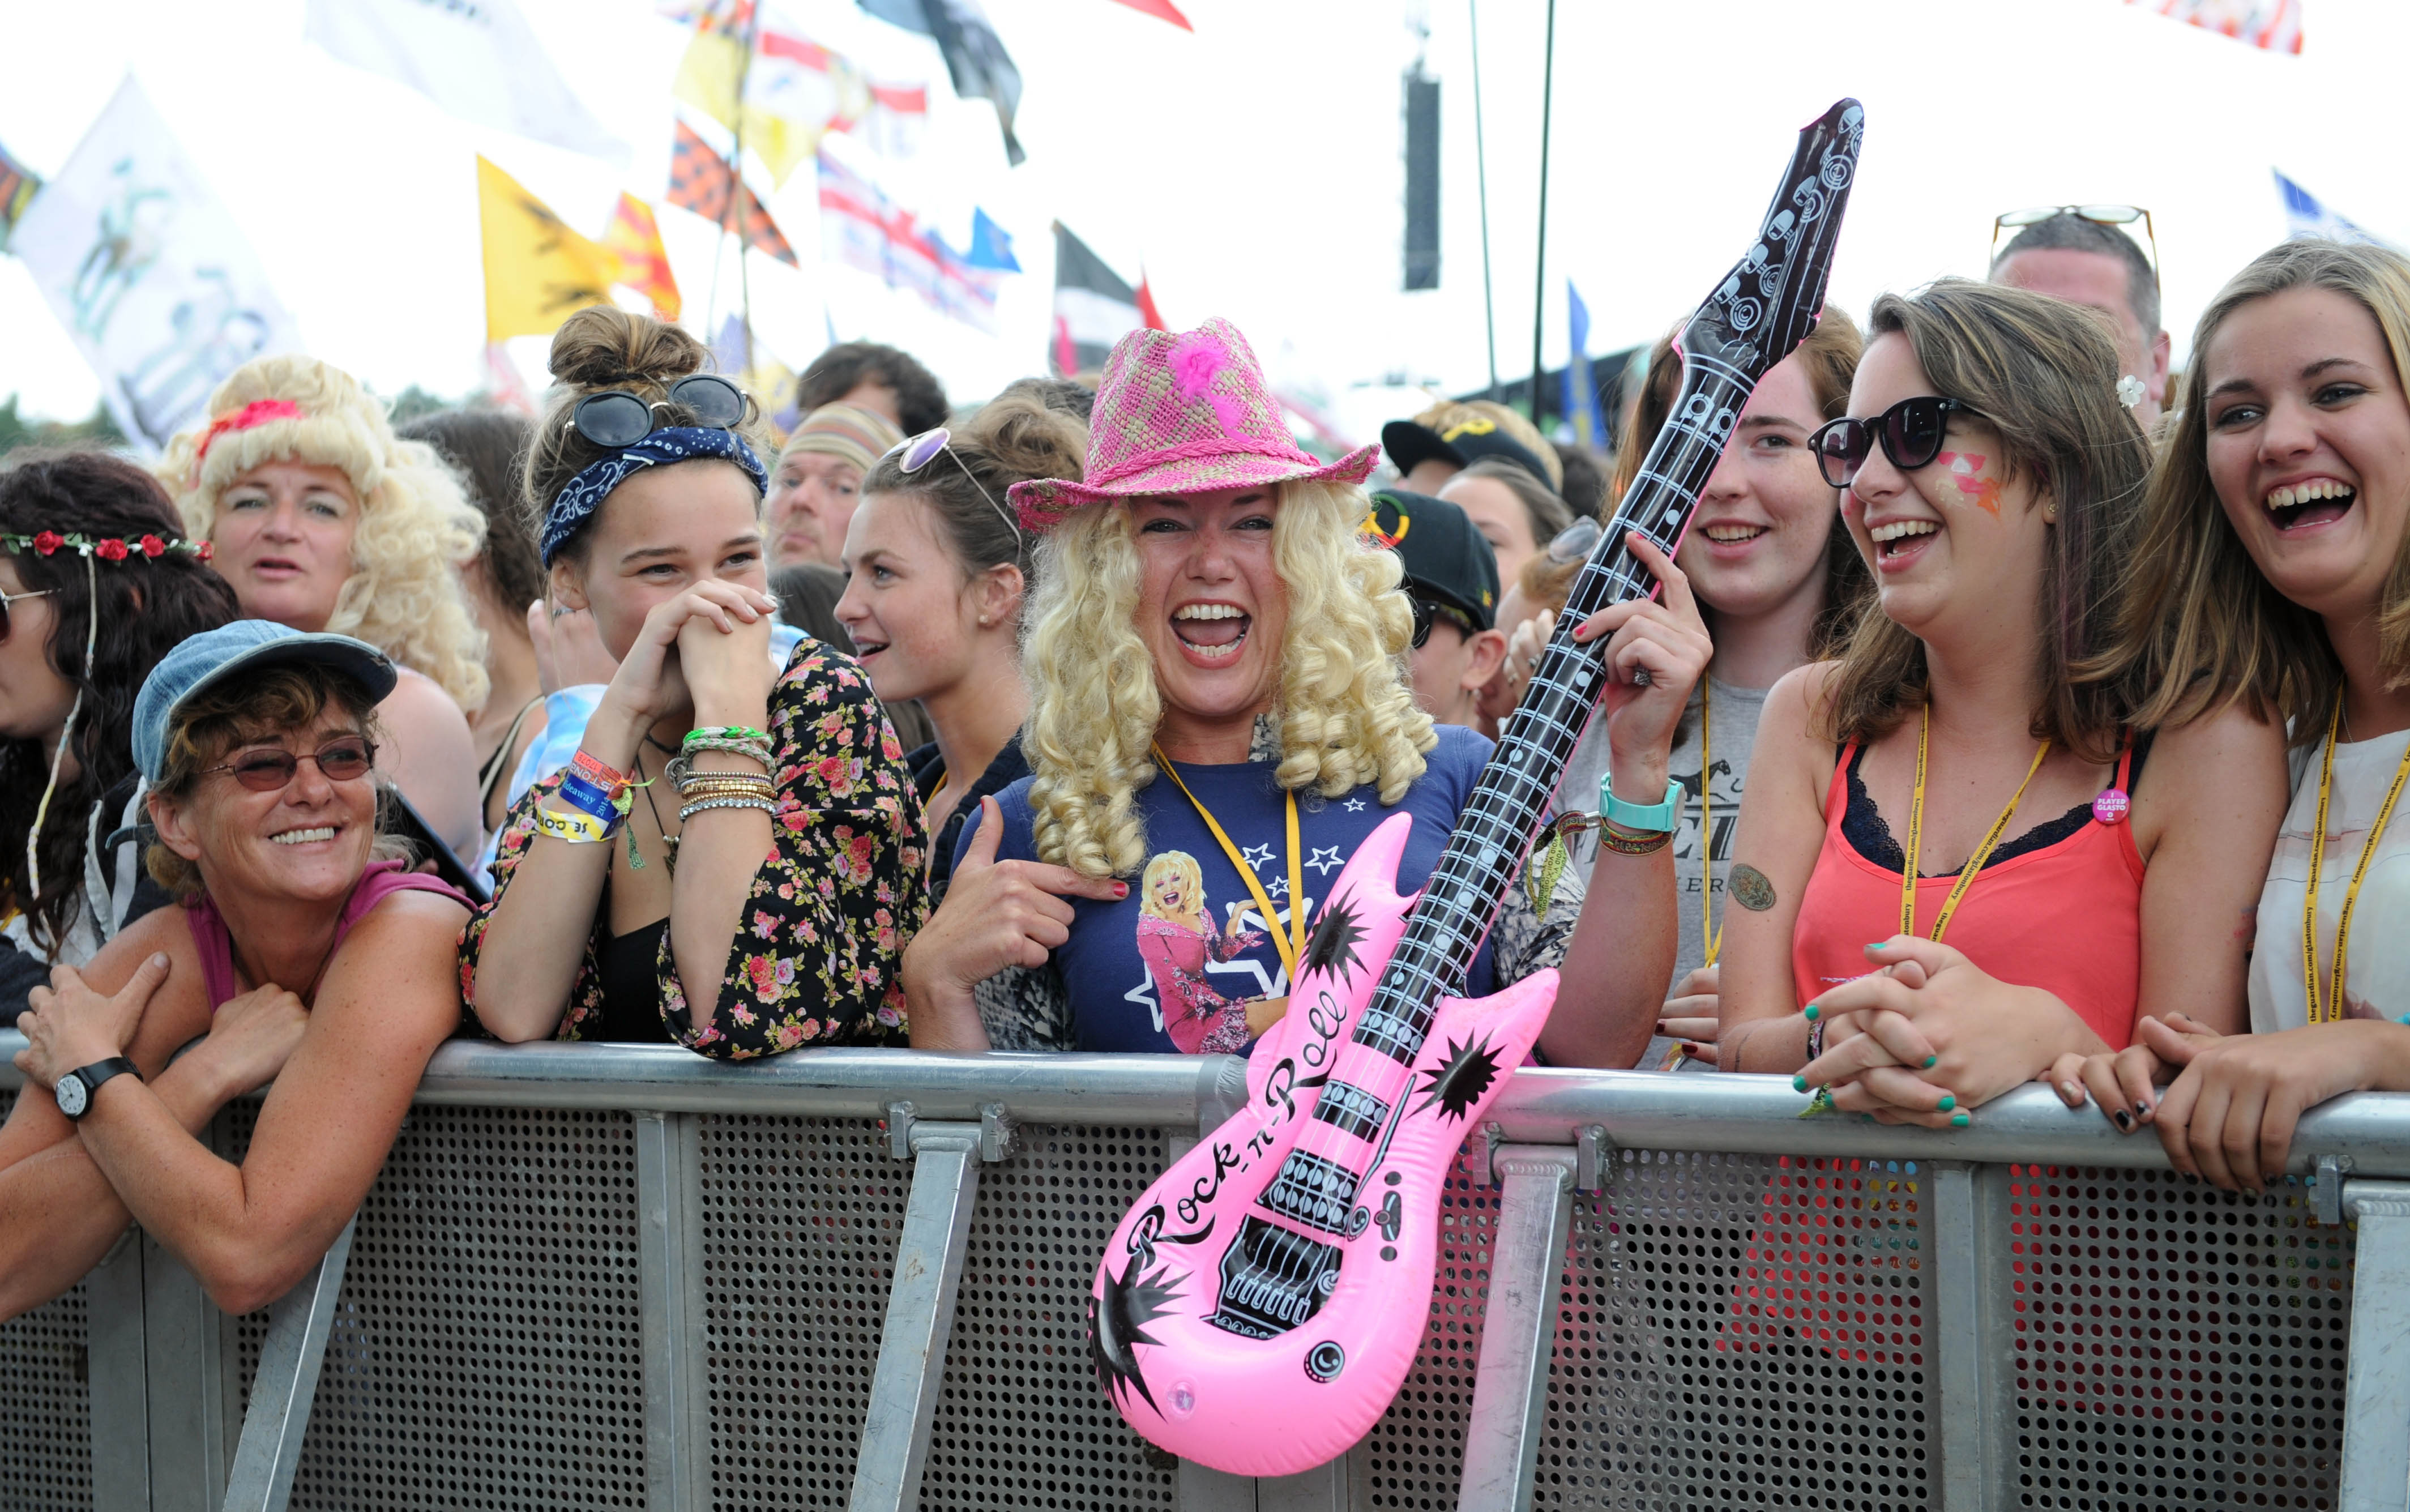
{"type": "Point", "coordinates": [2080, 693]}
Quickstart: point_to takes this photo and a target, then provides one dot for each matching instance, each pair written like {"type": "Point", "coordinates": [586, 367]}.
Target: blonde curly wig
{"type": "Point", "coordinates": [1345, 710]}
{"type": "Point", "coordinates": [416, 525]}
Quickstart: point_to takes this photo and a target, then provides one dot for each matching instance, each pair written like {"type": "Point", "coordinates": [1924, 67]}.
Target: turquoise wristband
{"type": "Point", "coordinates": [1648, 818]}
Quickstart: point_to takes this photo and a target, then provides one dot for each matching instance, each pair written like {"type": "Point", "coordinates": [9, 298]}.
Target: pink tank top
{"type": "Point", "coordinates": [380, 881]}
{"type": "Point", "coordinates": [2066, 918]}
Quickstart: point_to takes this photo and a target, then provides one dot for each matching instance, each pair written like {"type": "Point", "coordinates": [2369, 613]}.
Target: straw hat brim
{"type": "Point", "coordinates": [1042, 503]}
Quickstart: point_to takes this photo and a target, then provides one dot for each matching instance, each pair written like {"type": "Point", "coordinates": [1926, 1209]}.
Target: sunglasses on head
{"type": "Point", "coordinates": [7, 598]}
{"type": "Point", "coordinates": [344, 758]}
{"type": "Point", "coordinates": [2017, 219]}
{"type": "Point", "coordinates": [923, 449]}
{"type": "Point", "coordinates": [1910, 432]}
{"type": "Point", "coordinates": [617, 418]}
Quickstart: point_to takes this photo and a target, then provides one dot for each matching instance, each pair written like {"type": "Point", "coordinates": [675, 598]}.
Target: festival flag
{"type": "Point", "coordinates": [1094, 307]}
{"type": "Point", "coordinates": [702, 181]}
{"type": "Point", "coordinates": [991, 245]}
{"type": "Point", "coordinates": [1147, 312]}
{"type": "Point", "coordinates": [1161, 11]}
{"type": "Point", "coordinates": [866, 230]}
{"type": "Point", "coordinates": [633, 239]}
{"type": "Point", "coordinates": [538, 272]}
{"type": "Point", "coordinates": [1579, 401]}
{"type": "Point", "coordinates": [480, 62]}
{"type": "Point", "coordinates": [974, 55]}
{"type": "Point", "coordinates": [2306, 217]}
{"type": "Point", "coordinates": [747, 359]}
{"type": "Point", "coordinates": [17, 188]}
{"type": "Point", "coordinates": [148, 272]}
{"type": "Point", "coordinates": [2272, 25]}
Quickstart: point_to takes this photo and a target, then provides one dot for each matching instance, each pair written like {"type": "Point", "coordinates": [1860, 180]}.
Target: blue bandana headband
{"type": "Point", "coordinates": [585, 492]}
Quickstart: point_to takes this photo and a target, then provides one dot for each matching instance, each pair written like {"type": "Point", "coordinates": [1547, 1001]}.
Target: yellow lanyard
{"type": "Point", "coordinates": [1291, 950]}
{"type": "Point", "coordinates": [1708, 930]}
{"type": "Point", "coordinates": [1916, 837]}
{"type": "Point", "coordinates": [2317, 862]}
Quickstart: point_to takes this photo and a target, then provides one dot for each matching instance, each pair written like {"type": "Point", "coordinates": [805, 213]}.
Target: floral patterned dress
{"type": "Point", "coordinates": [839, 896]}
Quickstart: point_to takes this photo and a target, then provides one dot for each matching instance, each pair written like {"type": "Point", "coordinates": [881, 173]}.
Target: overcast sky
{"type": "Point", "coordinates": [1253, 167]}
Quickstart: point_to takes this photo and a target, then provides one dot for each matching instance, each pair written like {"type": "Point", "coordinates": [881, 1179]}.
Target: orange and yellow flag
{"type": "Point", "coordinates": [538, 272]}
{"type": "Point", "coordinates": [633, 239]}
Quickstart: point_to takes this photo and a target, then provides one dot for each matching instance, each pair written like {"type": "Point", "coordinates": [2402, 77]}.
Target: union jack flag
{"type": "Point", "coordinates": [2272, 25]}
{"type": "Point", "coordinates": [702, 181]}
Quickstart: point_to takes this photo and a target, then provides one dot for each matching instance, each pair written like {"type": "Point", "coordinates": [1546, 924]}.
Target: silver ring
{"type": "Point", "coordinates": [1640, 677]}
{"type": "Point", "coordinates": [561, 610]}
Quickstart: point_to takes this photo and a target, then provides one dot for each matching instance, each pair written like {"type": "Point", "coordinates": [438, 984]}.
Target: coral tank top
{"type": "Point", "coordinates": [2065, 917]}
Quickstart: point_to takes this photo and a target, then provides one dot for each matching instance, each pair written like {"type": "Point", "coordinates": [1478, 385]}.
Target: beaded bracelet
{"type": "Point", "coordinates": [577, 829]}
{"type": "Point", "coordinates": [756, 794]}
{"type": "Point", "coordinates": [723, 731]}
{"type": "Point", "coordinates": [1625, 845]}
{"type": "Point", "coordinates": [701, 806]}
{"type": "Point", "coordinates": [753, 750]}
{"type": "Point", "coordinates": [683, 775]}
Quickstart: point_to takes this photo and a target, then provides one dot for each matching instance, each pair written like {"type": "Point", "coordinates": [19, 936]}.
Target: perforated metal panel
{"type": "Point", "coordinates": [45, 1403]}
{"type": "Point", "coordinates": [1735, 1330]}
{"type": "Point", "coordinates": [801, 1218]}
{"type": "Point", "coordinates": [485, 1350]}
{"type": "Point", "coordinates": [1022, 1422]}
{"type": "Point", "coordinates": [2176, 1345]}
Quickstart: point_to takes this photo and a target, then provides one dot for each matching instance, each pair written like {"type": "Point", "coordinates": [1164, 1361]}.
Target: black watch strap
{"type": "Point", "coordinates": [91, 1076]}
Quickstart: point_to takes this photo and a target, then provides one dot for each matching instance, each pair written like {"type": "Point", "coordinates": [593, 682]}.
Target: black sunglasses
{"type": "Point", "coordinates": [615, 418]}
{"type": "Point", "coordinates": [1910, 432]}
{"type": "Point", "coordinates": [1429, 612]}
{"type": "Point", "coordinates": [344, 758]}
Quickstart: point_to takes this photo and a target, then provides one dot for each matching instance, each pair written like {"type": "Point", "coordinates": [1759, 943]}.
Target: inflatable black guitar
{"type": "Point", "coordinates": [1260, 1304]}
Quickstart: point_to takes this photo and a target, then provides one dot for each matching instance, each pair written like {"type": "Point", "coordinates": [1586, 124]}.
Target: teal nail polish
{"type": "Point", "coordinates": [1799, 1083]}
{"type": "Point", "coordinates": [1947, 1102]}
{"type": "Point", "coordinates": [1929, 1061]}
{"type": "Point", "coordinates": [1811, 1011]}
{"type": "Point", "coordinates": [1959, 1122]}
{"type": "Point", "coordinates": [1880, 944]}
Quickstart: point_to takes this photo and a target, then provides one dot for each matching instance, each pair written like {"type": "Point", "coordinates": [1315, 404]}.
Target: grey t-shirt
{"type": "Point", "coordinates": [1732, 731]}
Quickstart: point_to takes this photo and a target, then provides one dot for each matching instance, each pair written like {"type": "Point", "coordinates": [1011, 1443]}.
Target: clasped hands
{"type": "Point", "coordinates": [69, 1025]}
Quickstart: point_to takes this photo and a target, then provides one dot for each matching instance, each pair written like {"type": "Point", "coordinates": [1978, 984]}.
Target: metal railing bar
{"type": "Point", "coordinates": [285, 1386]}
{"type": "Point", "coordinates": [2376, 1392]}
{"type": "Point", "coordinates": [671, 1332]}
{"type": "Point", "coordinates": [120, 1377]}
{"type": "Point", "coordinates": [1519, 1326]}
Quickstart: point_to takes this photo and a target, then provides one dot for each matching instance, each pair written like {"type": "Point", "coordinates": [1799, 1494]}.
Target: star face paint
{"type": "Point", "coordinates": [1967, 474]}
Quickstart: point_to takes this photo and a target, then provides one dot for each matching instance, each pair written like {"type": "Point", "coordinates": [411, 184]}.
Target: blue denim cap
{"type": "Point", "coordinates": [244, 645]}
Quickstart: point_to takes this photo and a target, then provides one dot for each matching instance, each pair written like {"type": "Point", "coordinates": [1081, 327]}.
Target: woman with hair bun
{"type": "Point", "coordinates": [733, 859]}
{"type": "Point", "coordinates": [1219, 717]}
{"type": "Point", "coordinates": [938, 574]}
{"type": "Point", "coordinates": [324, 520]}
{"type": "Point", "coordinates": [87, 608]}
{"type": "Point", "coordinates": [1966, 767]}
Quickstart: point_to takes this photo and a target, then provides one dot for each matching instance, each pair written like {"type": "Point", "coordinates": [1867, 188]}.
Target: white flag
{"type": "Point", "coordinates": [148, 272]}
{"type": "Point", "coordinates": [480, 62]}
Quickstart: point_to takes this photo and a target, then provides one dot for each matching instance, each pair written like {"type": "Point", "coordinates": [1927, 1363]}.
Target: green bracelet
{"type": "Point", "coordinates": [725, 732]}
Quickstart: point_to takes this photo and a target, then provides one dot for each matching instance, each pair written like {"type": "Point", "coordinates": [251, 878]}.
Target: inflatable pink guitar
{"type": "Point", "coordinates": [1259, 1306]}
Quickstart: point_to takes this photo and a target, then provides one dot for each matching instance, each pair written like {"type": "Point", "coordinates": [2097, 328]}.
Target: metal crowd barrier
{"type": "Point", "coordinates": [627, 1276]}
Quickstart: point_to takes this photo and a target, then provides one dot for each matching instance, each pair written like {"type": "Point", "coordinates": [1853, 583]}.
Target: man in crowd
{"type": "Point", "coordinates": [2087, 263]}
{"type": "Point", "coordinates": [877, 378]}
{"type": "Point", "coordinates": [1453, 579]}
{"type": "Point", "coordinates": [1449, 437]}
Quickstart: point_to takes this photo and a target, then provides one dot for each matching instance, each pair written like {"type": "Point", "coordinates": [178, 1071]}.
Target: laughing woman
{"type": "Point", "coordinates": [1219, 717]}
{"type": "Point", "coordinates": [2274, 570]}
{"type": "Point", "coordinates": [2060, 890]}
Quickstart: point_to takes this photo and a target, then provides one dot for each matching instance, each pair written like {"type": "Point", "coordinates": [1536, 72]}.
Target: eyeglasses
{"type": "Point", "coordinates": [7, 598]}
{"type": "Point", "coordinates": [617, 418]}
{"type": "Point", "coordinates": [344, 758]}
{"type": "Point", "coordinates": [2017, 219]}
{"type": "Point", "coordinates": [1429, 612]}
{"type": "Point", "coordinates": [923, 449]}
{"type": "Point", "coordinates": [1912, 432]}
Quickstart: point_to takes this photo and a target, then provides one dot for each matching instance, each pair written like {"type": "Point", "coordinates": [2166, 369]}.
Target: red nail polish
{"type": "Point", "coordinates": [1121, 890]}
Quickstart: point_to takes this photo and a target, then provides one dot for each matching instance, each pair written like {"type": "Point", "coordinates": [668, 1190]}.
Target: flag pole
{"type": "Point", "coordinates": [1540, 256]}
{"type": "Point", "coordinates": [736, 172]}
{"type": "Point", "coordinates": [1481, 174]}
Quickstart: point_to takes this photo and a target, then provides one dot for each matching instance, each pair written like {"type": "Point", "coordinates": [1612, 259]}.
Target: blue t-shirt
{"type": "Point", "coordinates": [1173, 965]}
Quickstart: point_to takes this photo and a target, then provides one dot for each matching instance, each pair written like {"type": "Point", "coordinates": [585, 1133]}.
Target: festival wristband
{"type": "Point", "coordinates": [587, 798]}
{"type": "Point", "coordinates": [586, 765]}
{"type": "Point", "coordinates": [1635, 845]}
{"type": "Point", "coordinates": [577, 829]}
{"type": "Point", "coordinates": [1648, 818]}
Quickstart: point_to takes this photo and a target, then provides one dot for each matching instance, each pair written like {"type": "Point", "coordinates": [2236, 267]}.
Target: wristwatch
{"type": "Point", "coordinates": [76, 1088]}
{"type": "Point", "coordinates": [1648, 818]}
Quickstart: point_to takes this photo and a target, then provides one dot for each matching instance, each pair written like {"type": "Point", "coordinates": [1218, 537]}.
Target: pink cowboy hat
{"type": "Point", "coordinates": [1182, 412]}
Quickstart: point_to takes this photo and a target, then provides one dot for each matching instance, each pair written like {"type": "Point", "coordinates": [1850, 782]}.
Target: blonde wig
{"type": "Point", "coordinates": [1182, 866]}
{"type": "Point", "coordinates": [416, 525]}
{"type": "Point", "coordinates": [1347, 714]}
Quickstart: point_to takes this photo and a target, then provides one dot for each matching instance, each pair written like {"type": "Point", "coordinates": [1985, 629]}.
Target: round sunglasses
{"type": "Point", "coordinates": [618, 419]}
{"type": "Point", "coordinates": [1911, 433]}
{"type": "Point", "coordinates": [6, 628]}
{"type": "Point", "coordinates": [923, 449]}
{"type": "Point", "coordinates": [344, 758]}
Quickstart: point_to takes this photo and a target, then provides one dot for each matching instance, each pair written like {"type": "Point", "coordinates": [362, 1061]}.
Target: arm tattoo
{"type": "Point", "coordinates": [1749, 887]}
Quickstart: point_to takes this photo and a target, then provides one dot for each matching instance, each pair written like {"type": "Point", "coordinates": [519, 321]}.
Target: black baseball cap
{"type": "Point", "coordinates": [1448, 561]}
{"type": "Point", "coordinates": [1408, 445]}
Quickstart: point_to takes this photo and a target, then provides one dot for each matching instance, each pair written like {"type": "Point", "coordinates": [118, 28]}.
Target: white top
{"type": "Point", "coordinates": [2376, 983]}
